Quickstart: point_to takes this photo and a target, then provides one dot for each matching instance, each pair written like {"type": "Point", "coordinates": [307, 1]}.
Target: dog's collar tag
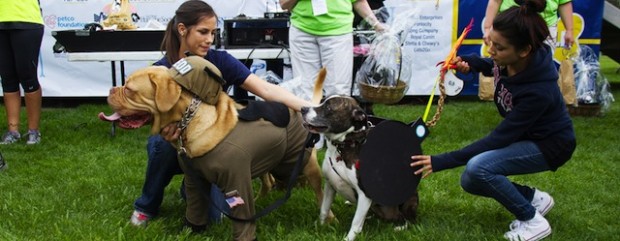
{"type": "Point", "coordinates": [182, 66]}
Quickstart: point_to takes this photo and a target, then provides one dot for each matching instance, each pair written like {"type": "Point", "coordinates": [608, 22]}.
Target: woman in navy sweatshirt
{"type": "Point", "coordinates": [536, 133]}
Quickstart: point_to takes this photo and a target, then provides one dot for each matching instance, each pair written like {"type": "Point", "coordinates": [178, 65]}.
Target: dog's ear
{"type": "Point", "coordinates": [359, 115]}
{"type": "Point", "coordinates": [167, 91]}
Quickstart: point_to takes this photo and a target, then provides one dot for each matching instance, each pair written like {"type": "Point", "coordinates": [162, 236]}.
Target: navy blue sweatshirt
{"type": "Point", "coordinates": [532, 107]}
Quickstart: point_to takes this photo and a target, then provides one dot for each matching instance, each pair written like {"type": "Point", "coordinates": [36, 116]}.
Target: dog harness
{"type": "Point", "coordinates": [199, 76]}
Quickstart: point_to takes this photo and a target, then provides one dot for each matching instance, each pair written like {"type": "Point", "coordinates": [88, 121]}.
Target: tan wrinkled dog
{"type": "Point", "coordinates": [151, 95]}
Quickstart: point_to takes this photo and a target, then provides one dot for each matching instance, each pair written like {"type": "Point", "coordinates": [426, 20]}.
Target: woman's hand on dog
{"type": "Point", "coordinates": [424, 161]}
{"type": "Point", "coordinates": [170, 132]}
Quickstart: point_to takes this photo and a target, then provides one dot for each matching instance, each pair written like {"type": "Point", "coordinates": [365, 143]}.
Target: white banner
{"type": "Point", "coordinates": [427, 41]}
{"type": "Point", "coordinates": [62, 78]}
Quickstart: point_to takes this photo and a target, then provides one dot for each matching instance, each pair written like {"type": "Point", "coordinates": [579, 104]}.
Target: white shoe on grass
{"type": "Point", "coordinates": [543, 202]}
{"type": "Point", "coordinates": [534, 229]}
{"type": "Point", "coordinates": [139, 218]}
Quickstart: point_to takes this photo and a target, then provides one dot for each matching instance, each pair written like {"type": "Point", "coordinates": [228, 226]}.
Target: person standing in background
{"type": "Point", "coordinates": [321, 35]}
{"type": "Point", "coordinates": [21, 33]}
{"type": "Point", "coordinates": [550, 15]}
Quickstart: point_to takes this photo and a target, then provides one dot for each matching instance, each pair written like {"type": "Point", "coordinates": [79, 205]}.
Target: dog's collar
{"type": "Point", "coordinates": [349, 148]}
{"type": "Point", "coordinates": [184, 122]}
{"type": "Point", "coordinates": [355, 137]}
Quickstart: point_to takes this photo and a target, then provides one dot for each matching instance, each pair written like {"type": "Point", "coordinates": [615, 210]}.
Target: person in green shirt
{"type": "Point", "coordinates": [321, 35]}
{"type": "Point", "coordinates": [550, 15]}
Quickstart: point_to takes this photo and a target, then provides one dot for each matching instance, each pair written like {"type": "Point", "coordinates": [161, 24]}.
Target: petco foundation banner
{"type": "Point", "coordinates": [62, 78]}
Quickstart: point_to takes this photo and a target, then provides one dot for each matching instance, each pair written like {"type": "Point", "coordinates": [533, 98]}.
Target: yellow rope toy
{"type": "Point", "coordinates": [445, 66]}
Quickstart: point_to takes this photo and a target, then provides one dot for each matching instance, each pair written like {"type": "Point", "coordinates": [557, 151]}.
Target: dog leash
{"type": "Point", "coordinates": [194, 174]}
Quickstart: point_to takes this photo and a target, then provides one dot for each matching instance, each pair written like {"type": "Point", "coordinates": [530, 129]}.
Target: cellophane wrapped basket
{"type": "Point", "coordinates": [382, 77]}
{"type": "Point", "coordinates": [379, 78]}
{"type": "Point", "coordinates": [382, 93]}
{"type": "Point", "coordinates": [592, 88]}
{"type": "Point", "coordinates": [585, 110]}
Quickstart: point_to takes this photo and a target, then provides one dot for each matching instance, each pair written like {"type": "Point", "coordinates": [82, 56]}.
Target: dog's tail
{"type": "Point", "coordinates": [318, 86]}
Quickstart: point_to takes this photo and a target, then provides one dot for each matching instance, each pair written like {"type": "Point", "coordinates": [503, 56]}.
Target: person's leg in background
{"type": "Point", "coordinates": [336, 53]}
{"type": "Point", "coordinates": [20, 51]}
{"type": "Point", "coordinates": [10, 87]}
{"type": "Point", "coordinates": [305, 60]}
{"type": "Point", "coordinates": [30, 41]}
{"type": "Point", "coordinates": [306, 63]}
{"type": "Point", "coordinates": [12, 104]}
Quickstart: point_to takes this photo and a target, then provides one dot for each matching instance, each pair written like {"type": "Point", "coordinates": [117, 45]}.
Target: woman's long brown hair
{"type": "Point", "coordinates": [189, 13]}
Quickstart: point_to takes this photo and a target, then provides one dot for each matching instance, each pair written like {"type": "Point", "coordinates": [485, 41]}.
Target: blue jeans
{"type": "Point", "coordinates": [486, 175]}
{"type": "Point", "coordinates": [161, 167]}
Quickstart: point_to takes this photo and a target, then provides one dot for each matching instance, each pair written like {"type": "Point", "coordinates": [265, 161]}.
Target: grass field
{"type": "Point", "coordinates": [80, 184]}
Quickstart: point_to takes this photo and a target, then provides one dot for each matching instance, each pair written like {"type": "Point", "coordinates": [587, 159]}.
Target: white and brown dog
{"type": "Point", "coordinates": [345, 126]}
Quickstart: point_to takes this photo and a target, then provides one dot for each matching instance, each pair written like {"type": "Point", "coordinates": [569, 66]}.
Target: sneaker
{"type": "Point", "coordinates": [10, 137]}
{"type": "Point", "coordinates": [3, 164]}
{"type": "Point", "coordinates": [34, 137]}
{"type": "Point", "coordinates": [534, 229]}
{"type": "Point", "coordinates": [139, 218]}
{"type": "Point", "coordinates": [543, 202]}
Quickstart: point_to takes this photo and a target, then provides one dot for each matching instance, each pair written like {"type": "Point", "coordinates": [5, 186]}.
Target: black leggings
{"type": "Point", "coordinates": [19, 51]}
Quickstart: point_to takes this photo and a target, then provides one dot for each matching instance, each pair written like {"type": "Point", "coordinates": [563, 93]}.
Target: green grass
{"type": "Point", "coordinates": [80, 184]}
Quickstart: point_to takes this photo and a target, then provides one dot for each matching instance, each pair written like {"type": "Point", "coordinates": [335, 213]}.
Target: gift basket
{"type": "Point", "coordinates": [592, 88]}
{"type": "Point", "coordinates": [382, 76]}
{"type": "Point", "coordinates": [379, 77]}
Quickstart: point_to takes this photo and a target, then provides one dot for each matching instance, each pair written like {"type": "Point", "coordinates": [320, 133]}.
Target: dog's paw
{"type": "Point", "coordinates": [350, 237]}
{"type": "Point", "coordinates": [331, 218]}
{"type": "Point", "coordinates": [328, 220]}
{"type": "Point", "coordinates": [401, 227]}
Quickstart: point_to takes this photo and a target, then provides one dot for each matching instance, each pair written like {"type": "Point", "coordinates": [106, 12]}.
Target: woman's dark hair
{"type": "Point", "coordinates": [522, 25]}
{"type": "Point", "coordinates": [189, 13]}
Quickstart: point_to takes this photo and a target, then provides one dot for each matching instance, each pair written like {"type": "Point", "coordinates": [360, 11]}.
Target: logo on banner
{"type": "Point", "coordinates": [50, 21]}
{"type": "Point", "coordinates": [62, 22]}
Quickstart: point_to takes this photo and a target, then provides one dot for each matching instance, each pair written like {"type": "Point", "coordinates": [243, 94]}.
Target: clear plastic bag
{"type": "Point", "coordinates": [382, 77]}
{"type": "Point", "coordinates": [591, 85]}
{"type": "Point", "coordinates": [383, 64]}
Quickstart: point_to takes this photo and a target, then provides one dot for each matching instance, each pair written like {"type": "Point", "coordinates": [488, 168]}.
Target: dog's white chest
{"type": "Point", "coordinates": [342, 178]}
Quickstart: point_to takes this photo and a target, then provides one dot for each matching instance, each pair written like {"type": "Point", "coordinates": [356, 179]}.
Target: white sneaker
{"type": "Point", "coordinates": [543, 202]}
{"type": "Point", "coordinates": [534, 229]}
{"type": "Point", "coordinates": [139, 218]}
